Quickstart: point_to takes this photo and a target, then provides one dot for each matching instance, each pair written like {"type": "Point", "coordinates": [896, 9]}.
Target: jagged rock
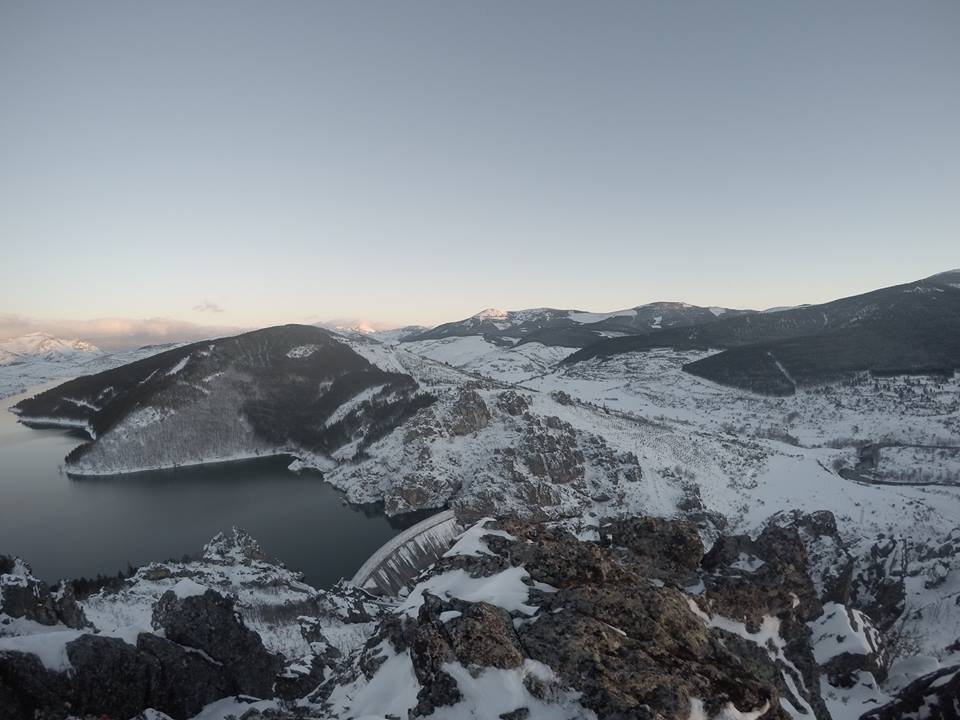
{"type": "Point", "coordinates": [934, 697]}
{"type": "Point", "coordinates": [483, 636]}
{"type": "Point", "coordinates": [878, 584]}
{"type": "Point", "coordinates": [24, 596]}
{"type": "Point", "coordinates": [546, 453]}
{"type": "Point", "coordinates": [831, 563]}
{"type": "Point", "coordinates": [778, 571]}
{"type": "Point", "coordinates": [665, 549]}
{"type": "Point", "coordinates": [512, 403]}
{"type": "Point", "coordinates": [235, 547]}
{"type": "Point", "coordinates": [476, 635]}
{"type": "Point", "coordinates": [209, 623]}
{"type": "Point", "coordinates": [429, 651]}
{"type": "Point", "coordinates": [111, 677]}
{"type": "Point", "coordinates": [185, 681]}
{"type": "Point", "coordinates": [470, 413]}
{"type": "Point", "coordinates": [630, 647]}
{"type": "Point", "coordinates": [28, 690]}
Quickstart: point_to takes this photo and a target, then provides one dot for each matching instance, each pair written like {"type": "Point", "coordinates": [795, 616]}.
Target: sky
{"type": "Point", "coordinates": [243, 163]}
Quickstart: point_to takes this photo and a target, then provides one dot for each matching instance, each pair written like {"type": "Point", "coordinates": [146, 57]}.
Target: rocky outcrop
{"type": "Point", "coordinates": [605, 623]}
{"type": "Point", "coordinates": [935, 697]}
{"type": "Point", "coordinates": [469, 413]}
{"type": "Point", "coordinates": [668, 550]}
{"type": "Point", "coordinates": [24, 596]}
{"type": "Point", "coordinates": [518, 619]}
{"type": "Point", "coordinates": [513, 403]}
{"type": "Point", "coordinates": [109, 677]}
{"type": "Point", "coordinates": [748, 579]}
{"type": "Point", "coordinates": [204, 647]}
{"type": "Point", "coordinates": [209, 623]}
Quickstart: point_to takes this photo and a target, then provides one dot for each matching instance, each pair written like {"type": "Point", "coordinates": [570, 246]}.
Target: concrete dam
{"type": "Point", "coordinates": [408, 554]}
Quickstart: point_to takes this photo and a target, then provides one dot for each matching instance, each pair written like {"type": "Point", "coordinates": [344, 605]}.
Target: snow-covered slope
{"type": "Point", "coordinates": [31, 370]}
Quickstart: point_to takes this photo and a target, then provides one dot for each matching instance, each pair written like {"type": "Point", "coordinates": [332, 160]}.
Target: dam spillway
{"type": "Point", "coordinates": [405, 556]}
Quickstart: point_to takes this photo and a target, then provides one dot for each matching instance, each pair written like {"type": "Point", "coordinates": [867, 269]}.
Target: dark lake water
{"type": "Point", "coordinates": [71, 527]}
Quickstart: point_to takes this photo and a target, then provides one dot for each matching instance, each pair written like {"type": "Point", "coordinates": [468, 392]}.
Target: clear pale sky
{"type": "Point", "coordinates": [419, 161]}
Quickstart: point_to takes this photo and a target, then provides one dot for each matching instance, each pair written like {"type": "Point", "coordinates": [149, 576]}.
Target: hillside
{"type": "Point", "coordinates": [909, 328]}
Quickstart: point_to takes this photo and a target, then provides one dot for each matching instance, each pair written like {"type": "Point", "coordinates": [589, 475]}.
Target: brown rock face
{"type": "Point", "coordinates": [630, 646]}
{"type": "Point", "coordinates": [666, 549]}
{"type": "Point", "coordinates": [470, 413]}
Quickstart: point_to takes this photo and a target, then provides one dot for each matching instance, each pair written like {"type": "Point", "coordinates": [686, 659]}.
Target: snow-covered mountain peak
{"type": "Point", "coordinates": [44, 346]}
{"type": "Point", "coordinates": [491, 314]}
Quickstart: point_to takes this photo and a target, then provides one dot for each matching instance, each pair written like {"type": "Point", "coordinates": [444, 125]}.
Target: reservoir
{"type": "Point", "coordinates": [81, 527]}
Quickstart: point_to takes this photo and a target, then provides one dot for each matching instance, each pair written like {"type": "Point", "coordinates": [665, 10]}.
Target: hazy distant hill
{"type": "Point", "coordinates": [909, 328]}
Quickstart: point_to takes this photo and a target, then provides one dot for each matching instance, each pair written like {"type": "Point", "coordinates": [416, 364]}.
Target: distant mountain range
{"type": "Point", "coordinates": [904, 329]}
{"type": "Point", "coordinates": [574, 328]}
{"type": "Point", "coordinates": [42, 346]}
{"type": "Point", "coordinates": [908, 328]}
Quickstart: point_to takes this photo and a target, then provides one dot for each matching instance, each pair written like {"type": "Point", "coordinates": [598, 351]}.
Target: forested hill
{"type": "Point", "coordinates": [293, 386]}
{"type": "Point", "coordinates": [910, 328]}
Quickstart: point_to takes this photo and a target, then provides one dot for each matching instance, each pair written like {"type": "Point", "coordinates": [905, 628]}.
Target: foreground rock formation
{"type": "Point", "coordinates": [631, 618]}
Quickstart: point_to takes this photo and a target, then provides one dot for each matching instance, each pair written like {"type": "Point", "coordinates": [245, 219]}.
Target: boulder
{"type": "Point", "coordinates": [209, 622]}
{"type": "Point", "coordinates": [470, 413]}
{"type": "Point", "coordinates": [24, 596]}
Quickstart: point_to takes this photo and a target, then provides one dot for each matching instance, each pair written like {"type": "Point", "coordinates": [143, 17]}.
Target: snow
{"type": "Point", "coordinates": [506, 589]}
{"type": "Point", "coordinates": [49, 647]}
{"type": "Point", "coordinates": [188, 588]}
{"type": "Point", "coordinates": [353, 404]}
{"type": "Point", "coordinates": [491, 314]}
{"type": "Point", "coordinates": [842, 630]}
{"type": "Point", "coordinates": [233, 707]}
{"type": "Point", "coordinates": [471, 541]}
{"type": "Point", "coordinates": [34, 371]}
{"type": "Point", "coordinates": [43, 346]}
{"type": "Point", "coordinates": [728, 712]}
{"type": "Point", "coordinates": [585, 318]}
{"type": "Point", "coordinates": [302, 351]}
{"type": "Point", "coordinates": [748, 563]}
{"type": "Point", "coordinates": [476, 354]}
{"type": "Point", "coordinates": [491, 692]}
{"type": "Point", "coordinates": [179, 366]}
{"type": "Point", "coordinates": [391, 691]}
